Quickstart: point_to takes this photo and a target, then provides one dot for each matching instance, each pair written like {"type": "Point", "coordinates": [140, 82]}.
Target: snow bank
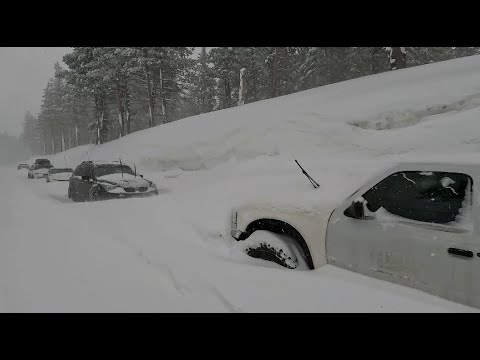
{"type": "Point", "coordinates": [316, 122]}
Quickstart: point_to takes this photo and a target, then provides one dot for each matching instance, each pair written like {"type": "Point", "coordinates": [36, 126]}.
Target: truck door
{"type": "Point", "coordinates": [417, 230]}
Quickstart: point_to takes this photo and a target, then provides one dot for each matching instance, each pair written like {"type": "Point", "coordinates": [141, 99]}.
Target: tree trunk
{"type": "Point", "coordinates": [373, 61]}
{"type": "Point", "coordinates": [162, 96]}
{"type": "Point", "coordinates": [227, 93]}
{"type": "Point", "coordinates": [127, 111]}
{"type": "Point", "coordinates": [151, 99]}
{"type": "Point", "coordinates": [100, 126]}
{"type": "Point", "coordinates": [98, 140]}
{"type": "Point", "coordinates": [243, 89]}
{"type": "Point", "coordinates": [204, 99]}
{"type": "Point", "coordinates": [53, 144]}
{"type": "Point", "coordinates": [76, 133]}
{"type": "Point", "coordinates": [100, 110]}
{"type": "Point", "coordinates": [273, 90]}
{"type": "Point", "coordinates": [120, 107]}
{"type": "Point", "coordinates": [44, 142]}
{"type": "Point", "coordinates": [253, 87]}
{"type": "Point", "coordinates": [63, 140]}
{"type": "Point", "coordinates": [218, 102]}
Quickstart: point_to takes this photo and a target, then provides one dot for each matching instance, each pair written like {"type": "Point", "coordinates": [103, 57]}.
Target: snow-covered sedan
{"type": "Point", "coordinates": [99, 180]}
{"type": "Point", "coordinates": [416, 225]}
{"type": "Point", "coordinates": [58, 174]}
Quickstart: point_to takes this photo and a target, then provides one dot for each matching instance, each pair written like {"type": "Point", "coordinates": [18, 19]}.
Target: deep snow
{"type": "Point", "coordinates": [172, 252]}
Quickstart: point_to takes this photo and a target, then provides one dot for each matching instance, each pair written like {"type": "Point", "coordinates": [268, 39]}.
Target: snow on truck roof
{"type": "Point", "coordinates": [472, 167]}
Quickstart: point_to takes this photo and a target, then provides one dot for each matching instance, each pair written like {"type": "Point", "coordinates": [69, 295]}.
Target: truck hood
{"type": "Point", "coordinates": [287, 208]}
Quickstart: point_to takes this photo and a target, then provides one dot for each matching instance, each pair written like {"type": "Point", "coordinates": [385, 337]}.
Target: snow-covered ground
{"type": "Point", "coordinates": [172, 252]}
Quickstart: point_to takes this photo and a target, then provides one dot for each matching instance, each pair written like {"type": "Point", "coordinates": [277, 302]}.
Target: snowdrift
{"type": "Point", "coordinates": [427, 108]}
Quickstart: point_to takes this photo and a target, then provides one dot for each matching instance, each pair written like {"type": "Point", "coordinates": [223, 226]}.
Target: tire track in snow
{"type": "Point", "coordinates": [182, 288]}
{"type": "Point", "coordinates": [227, 303]}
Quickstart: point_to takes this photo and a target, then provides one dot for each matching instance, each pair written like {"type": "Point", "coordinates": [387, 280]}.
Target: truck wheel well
{"type": "Point", "coordinates": [282, 228]}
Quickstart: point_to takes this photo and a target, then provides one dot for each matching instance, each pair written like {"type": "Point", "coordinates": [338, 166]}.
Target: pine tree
{"type": "Point", "coordinates": [256, 75]}
{"type": "Point", "coordinates": [200, 86]}
{"type": "Point", "coordinates": [223, 60]}
{"type": "Point", "coordinates": [86, 73]}
{"type": "Point", "coordinates": [283, 67]}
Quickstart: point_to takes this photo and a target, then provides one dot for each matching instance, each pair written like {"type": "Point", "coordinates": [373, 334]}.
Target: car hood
{"type": "Point", "coordinates": [127, 181]}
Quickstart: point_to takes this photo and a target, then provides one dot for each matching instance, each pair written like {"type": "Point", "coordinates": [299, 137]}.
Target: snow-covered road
{"type": "Point", "coordinates": [163, 254]}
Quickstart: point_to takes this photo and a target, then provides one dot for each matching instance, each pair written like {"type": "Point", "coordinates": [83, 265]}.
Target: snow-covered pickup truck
{"type": "Point", "coordinates": [417, 225]}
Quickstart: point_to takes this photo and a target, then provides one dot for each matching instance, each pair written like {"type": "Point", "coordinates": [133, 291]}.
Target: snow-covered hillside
{"type": "Point", "coordinates": [172, 252]}
{"type": "Point", "coordinates": [442, 99]}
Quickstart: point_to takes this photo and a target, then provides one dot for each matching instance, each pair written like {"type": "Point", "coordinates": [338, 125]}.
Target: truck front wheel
{"type": "Point", "coordinates": [276, 248]}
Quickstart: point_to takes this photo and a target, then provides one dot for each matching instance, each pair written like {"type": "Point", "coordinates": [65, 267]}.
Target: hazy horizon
{"type": "Point", "coordinates": [24, 72]}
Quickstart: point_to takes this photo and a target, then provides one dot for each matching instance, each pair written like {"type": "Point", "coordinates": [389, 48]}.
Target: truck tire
{"type": "Point", "coordinates": [93, 194]}
{"type": "Point", "coordinates": [73, 195]}
{"type": "Point", "coordinates": [276, 248]}
{"type": "Point", "coordinates": [269, 253]}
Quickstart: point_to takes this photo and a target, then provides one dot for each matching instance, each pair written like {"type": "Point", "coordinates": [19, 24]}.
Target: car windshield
{"type": "Point", "coordinates": [107, 169]}
{"type": "Point", "coordinates": [57, 171]}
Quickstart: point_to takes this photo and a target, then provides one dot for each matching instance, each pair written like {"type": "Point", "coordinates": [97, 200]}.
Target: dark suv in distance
{"type": "Point", "coordinates": [39, 169]}
{"type": "Point", "coordinates": [100, 180]}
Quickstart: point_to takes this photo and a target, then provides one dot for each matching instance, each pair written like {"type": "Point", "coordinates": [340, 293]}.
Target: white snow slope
{"type": "Point", "coordinates": [172, 252]}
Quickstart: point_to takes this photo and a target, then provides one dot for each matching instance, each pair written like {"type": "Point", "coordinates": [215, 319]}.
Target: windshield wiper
{"type": "Point", "coordinates": [314, 183]}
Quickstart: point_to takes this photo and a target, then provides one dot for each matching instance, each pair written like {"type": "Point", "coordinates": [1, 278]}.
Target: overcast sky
{"type": "Point", "coordinates": [24, 72]}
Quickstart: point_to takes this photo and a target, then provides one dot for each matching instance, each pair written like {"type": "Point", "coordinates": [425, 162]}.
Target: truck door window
{"type": "Point", "coordinates": [433, 197]}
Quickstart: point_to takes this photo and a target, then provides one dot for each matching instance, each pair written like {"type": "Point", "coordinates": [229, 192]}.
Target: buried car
{"type": "Point", "coordinates": [98, 180]}
{"type": "Point", "coordinates": [58, 174]}
{"type": "Point", "coordinates": [39, 169]}
{"type": "Point", "coordinates": [416, 225]}
{"type": "Point", "coordinates": [23, 166]}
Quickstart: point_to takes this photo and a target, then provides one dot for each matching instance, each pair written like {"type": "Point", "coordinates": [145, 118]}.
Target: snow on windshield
{"type": "Point", "coordinates": [107, 169]}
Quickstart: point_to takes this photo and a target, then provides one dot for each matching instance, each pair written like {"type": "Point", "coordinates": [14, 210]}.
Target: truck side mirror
{"type": "Point", "coordinates": [356, 209]}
